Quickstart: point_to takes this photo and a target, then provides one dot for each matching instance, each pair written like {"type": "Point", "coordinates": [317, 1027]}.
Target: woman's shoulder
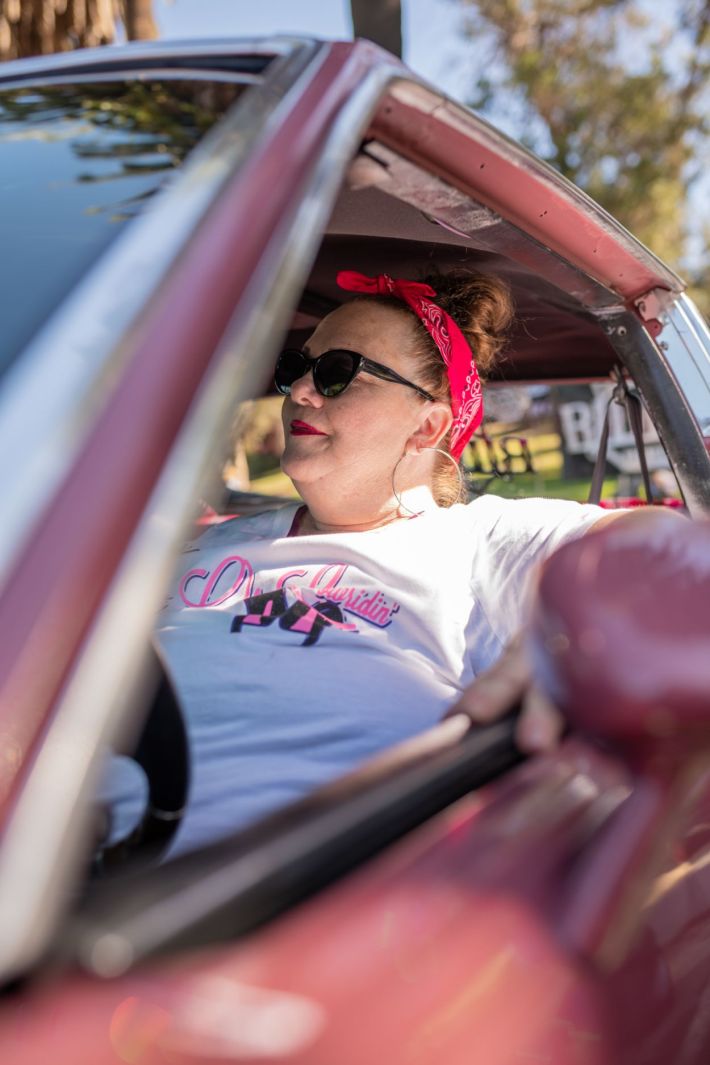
{"type": "Point", "coordinates": [526, 506]}
{"type": "Point", "coordinates": [485, 511]}
{"type": "Point", "coordinates": [490, 514]}
{"type": "Point", "coordinates": [530, 518]}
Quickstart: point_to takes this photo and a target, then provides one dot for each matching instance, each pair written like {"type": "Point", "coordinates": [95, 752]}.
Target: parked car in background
{"type": "Point", "coordinates": [169, 214]}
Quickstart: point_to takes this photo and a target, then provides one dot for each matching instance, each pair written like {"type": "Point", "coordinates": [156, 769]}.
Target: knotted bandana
{"type": "Point", "coordinates": [464, 382]}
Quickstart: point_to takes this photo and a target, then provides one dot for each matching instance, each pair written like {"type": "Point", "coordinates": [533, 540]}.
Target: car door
{"type": "Point", "coordinates": [458, 928]}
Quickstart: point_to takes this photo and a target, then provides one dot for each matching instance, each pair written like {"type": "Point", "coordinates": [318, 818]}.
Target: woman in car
{"type": "Point", "coordinates": [303, 640]}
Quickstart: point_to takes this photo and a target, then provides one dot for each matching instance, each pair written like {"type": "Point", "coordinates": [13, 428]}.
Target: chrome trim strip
{"type": "Point", "coordinates": [686, 342]}
{"type": "Point", "coordinates": [138, 53]}
{"type": "Point", "coordinates": [153, 71]}
{"type": "Point", "coordinates": [52, 394]}
{"type": "Point", "coordinates": [45, 839]}
{"type": "Point", "coordinates": [673, 409]}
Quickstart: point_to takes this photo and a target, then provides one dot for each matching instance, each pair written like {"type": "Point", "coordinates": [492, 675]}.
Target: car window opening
{"type": "Point", "coordinates": [539, 437]}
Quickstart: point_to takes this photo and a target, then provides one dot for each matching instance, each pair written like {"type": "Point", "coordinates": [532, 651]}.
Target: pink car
{"type": "Point", "coordinates": [169, 213]}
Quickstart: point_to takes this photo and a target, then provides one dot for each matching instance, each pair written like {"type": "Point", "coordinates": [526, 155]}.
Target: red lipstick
{"type": "Point", "coordinates": [299, 428]}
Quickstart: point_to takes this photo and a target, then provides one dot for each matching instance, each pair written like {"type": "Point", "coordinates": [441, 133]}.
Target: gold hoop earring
{"type": "Point", "coordinates": [440, 451]}
{"type": "Point", "coordinates": [447, 455]}
{"type": "Point", "coordinates": [395, 493]}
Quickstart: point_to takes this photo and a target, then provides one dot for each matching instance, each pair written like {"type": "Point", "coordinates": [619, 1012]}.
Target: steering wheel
{"type": "Point", "coordinates": [163, 754]}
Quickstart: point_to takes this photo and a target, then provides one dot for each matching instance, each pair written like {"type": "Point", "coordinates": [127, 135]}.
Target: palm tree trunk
{"type": "Point", "coordinates": [41, 27]}
{"type": "Point", "coordinates": [138, 19]}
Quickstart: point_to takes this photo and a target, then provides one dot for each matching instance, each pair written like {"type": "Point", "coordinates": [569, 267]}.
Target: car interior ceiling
{"type": "Point", "coordinates": [391, 217]}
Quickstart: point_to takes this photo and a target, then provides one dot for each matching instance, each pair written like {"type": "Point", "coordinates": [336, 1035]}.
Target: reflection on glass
{"type": "Point", "coordinates": [76, 164]}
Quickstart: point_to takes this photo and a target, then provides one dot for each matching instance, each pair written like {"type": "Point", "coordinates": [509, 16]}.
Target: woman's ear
{"type": "Point", "coordinates": [433, 427]}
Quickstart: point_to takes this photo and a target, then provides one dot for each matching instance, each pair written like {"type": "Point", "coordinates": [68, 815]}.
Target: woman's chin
{"type": "Point", "coordinates": [301, 468]}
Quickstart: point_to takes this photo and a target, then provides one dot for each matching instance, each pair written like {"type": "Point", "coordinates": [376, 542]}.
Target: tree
{"type": "Point", "coordinates": [613, 93]}
{"type": "Point", "coordinates": [138, 19]}
{"type": "Point", "coordinates": [379, 21]}
{"type": "Point", "coordinates": [41, 27]}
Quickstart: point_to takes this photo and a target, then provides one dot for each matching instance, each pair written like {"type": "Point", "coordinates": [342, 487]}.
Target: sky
{"type": "Point", "coordinates": [445, 65]}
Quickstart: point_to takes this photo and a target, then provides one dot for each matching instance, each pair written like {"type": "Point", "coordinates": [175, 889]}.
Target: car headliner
{"type": "Point", "coordinates": [554, 336]}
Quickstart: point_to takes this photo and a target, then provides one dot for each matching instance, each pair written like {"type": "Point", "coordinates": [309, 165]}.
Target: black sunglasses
{"type": "Point", "coordinates": [332, 371]}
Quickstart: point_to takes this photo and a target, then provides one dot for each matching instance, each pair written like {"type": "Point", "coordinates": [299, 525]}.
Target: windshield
{"type": "Point", "coordinates": [77, 163]}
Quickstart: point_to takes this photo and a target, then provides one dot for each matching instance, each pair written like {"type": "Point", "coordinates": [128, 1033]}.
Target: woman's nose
{"type": "Point", "coordinates": [304, 391]}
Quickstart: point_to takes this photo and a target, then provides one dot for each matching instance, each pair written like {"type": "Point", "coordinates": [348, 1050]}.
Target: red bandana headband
{"type": "Point", "coordinates": [464, 382]}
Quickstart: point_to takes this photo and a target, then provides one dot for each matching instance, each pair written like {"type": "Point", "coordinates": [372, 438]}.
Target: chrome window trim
{"type": "Point", "coordinates": [685, 340]}
{"type": "Point", "coordinates": [128, 57]}
{"type": "Point", "coordinates": [44, 840]}
{"type": "Point", "coordinates": [154, 72]}
{"type": "Point", "coordinates": [47, 410]}
{"type": "Point", "coordinates": [667, 399]}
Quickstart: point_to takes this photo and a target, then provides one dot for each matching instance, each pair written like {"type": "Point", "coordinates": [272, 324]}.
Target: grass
{"type": "Point", "coordinates": [547, 480]}
{"type": "Point", "coordinates": [530, 484]}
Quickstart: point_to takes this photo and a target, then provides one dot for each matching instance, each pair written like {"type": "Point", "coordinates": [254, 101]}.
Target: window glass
{"type": "Point", "coordinates": [77, 163]}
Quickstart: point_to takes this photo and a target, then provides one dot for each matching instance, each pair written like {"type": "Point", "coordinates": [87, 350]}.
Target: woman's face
{"type": "Point", "coordinates": [361, 434]}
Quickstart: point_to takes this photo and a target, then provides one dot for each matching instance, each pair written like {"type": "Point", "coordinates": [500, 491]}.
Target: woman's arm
{"type": "Point", "coordinates": [510, 681]}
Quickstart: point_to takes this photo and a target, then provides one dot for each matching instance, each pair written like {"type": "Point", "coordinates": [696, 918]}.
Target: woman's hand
{"type": "Point", "coordinates": [497, 691]}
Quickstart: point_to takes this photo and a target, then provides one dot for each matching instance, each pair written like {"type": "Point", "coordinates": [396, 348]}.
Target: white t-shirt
{"type": "Point", "coordinates": [296, 658]}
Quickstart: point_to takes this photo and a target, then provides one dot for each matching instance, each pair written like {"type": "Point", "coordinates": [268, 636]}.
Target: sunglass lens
{"type": "Point", "coordinates": [290, 365]}
{"type": "Point", "coordinates": [334, 371]}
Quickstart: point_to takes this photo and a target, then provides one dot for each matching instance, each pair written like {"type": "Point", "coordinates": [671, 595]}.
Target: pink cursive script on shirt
{"type": "Point", "coordinates": [240, 579]}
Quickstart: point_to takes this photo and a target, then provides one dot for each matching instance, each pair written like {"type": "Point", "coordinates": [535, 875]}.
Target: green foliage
{"type": "Point", "coordinates": [615, 94]}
